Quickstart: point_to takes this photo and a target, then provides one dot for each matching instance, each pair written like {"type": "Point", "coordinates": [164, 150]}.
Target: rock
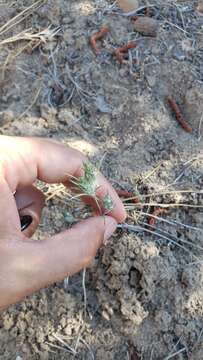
{"type": "Point", "coordinates": [6, 117]}
{"type": "Point", "coordinates": [48, 113]}
{"type": "Point", "coordinates": [128, 5]}
{"type": "Point", "coordinates": [66, 117]}
{"type": "Point", "coordinates": [178, 54]}
{"type": "Point", "coordinates": [146, 26]}
{"type": "Point", "coordinates": [102, 105]}
{"type": "Point", "coordinates": [199, 7]}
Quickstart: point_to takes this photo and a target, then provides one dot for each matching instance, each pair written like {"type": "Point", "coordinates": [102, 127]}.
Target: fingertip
{"type": "Point", "coordinates": [119, 212]}
{"type": "Point", "coordinates": [122, 216]}
{"type": "Point", "coordinates": [110, 227]}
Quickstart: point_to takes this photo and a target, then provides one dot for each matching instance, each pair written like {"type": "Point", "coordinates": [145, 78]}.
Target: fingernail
{"type": "Point", "coordinates": [110, 227]}
{"type": "Point", "coordinates": [25, 221]}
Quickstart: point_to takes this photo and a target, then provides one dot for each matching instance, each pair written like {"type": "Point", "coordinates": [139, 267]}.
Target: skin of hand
{"type": "Point", "coordinates": [27, 265]}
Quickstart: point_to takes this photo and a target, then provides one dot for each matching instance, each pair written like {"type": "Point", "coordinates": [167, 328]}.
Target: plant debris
{"type": "Point", "coordinates": [98, 36]}
{"type": "Point", "coordinates": [178, 114]}
{"type": "Point", "coordinates": [152, 219]}
{"type": "Point", "coordinates": [122, 51]}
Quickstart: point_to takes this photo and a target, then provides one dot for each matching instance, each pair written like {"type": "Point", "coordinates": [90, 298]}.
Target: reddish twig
{"type": "Point", "coordinates": [119, 52]}
{"type": "Point", "coordinates": [127, 194]}
{"type": "Point", "coordinates": [98, 36]}
{"type": "Point", "coordinates": [178, 114]}
{"type": "Point", "coordinates": [152, 220]}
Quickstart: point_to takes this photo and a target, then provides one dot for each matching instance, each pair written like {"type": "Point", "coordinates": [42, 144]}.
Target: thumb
{"type": "Point", "coordinates": [74, 249]}
{"type": "Point", "coordinates": [34, 265]}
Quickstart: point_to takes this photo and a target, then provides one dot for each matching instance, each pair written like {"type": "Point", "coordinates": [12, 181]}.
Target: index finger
{"type": "Point", "coordinates": [51, 162]}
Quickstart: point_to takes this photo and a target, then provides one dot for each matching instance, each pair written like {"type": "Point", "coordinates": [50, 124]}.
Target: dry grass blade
{"type": "Point", "coordinates": [134, 206]}
{"type": "Point", "coordinates": [80, 91]}
{"type": "Point", "coordinates": [177, 27]}
{"type": "Point", "coordinates": [58, 347]}
{"type": "Point", "coordinates": [170, 222]}
{"type": "Point", "coordinates": [31, 105]}
{"type": "Point", "coordinates": [88, 348]}
{"type": "Point", "coordinates": [36, 37]}
{"type": "Point", "coordinates": [56, 190]}
{"type": "Point", "coordinates": [67, 347]}
{"type": "Point", "coordinates": [151, 172]}
{"type": "Point", "coordinates": [84, 290]}
{"type": "Point", "coordinates": [163, 232]}
{"type": "Point", "coordinates": [21, 16]}
{"type": "Point", "coordinates": [166, 193]}
{"type": "Point", "coordinates": [199, 128]}
{"type": "Point", "coordinates": [174, 192]}
{"type": "Point", "coordinates": [174, 354]}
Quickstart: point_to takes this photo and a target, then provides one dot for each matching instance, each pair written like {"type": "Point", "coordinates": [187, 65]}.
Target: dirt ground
{"type": "Point", "coordinates": [144, 290]}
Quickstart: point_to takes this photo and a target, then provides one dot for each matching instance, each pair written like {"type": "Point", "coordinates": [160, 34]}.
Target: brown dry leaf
{"type": "Point", "coordinates": [146, 26]}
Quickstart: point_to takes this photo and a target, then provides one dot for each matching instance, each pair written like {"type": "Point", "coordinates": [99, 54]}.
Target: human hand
{"type": "Point", "coordinates": [27, 265]}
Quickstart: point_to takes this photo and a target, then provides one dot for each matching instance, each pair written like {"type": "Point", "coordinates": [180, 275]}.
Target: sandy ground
{"type": "Point", "coordinates": [144, 290]}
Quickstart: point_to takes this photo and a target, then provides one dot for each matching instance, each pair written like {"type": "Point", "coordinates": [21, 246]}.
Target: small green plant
{"type": "Point", "coordinates": [88, 185]}
{"type": "Point", "coordinates": [108, 204]}
{"type": "Point", "coordinates": [88, 182]}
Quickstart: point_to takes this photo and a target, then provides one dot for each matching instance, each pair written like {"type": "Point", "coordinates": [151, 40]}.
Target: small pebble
{"type": "Point", "coordinates": [178, 54]}
{"type": "Point", "coordinates": [48, 113]}
{"type": "Point", "coordinates": [6, 117]}
{"type": "Point", "coordinates": [102, 105]}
